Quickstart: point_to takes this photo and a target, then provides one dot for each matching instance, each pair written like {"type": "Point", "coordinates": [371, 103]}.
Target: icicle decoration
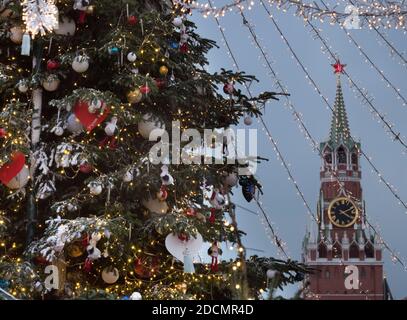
{"type": "Point", "coordinates": [40, 16]}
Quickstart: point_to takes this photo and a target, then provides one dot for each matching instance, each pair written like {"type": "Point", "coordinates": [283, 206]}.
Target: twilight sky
{"type": "Point", "coordinates": [283, 205]}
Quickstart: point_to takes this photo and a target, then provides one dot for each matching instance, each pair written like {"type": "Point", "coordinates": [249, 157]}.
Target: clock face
{"type": "Point", "coordinates": [343, 212]}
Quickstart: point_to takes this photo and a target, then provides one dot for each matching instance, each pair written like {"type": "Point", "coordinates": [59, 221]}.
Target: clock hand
{"type": "Point", "coordinates": [344, 213]}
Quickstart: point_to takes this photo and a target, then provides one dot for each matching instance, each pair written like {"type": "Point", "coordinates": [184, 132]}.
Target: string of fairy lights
{"type": "Point", "coordinates": [395, 256]}
{"type": "Point", "coordinates": [386, 14]}
{"type": "Point", "coordinates": [375, 67]}
{"type": "Point", "coordinates": [278, 241]}
{"type": "Point", "coordinates": [381, 35]}
{"type": "Point", "coordinates": [393, 51]}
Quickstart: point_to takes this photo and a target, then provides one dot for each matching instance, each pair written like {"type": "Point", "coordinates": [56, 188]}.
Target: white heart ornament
{"type": "Point", "coordinates": [177, 247]}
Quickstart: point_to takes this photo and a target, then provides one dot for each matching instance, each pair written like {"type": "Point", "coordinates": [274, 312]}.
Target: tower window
{"type": "Point", "coordinates": [327, 274]}
{"type": "Point", "coordinates": [341, 155]}
{"type": "Point", "coordinates": [369, 250]}
{"type": "Point", "coordinates": [337, 251]}
{"type": "Point", "coordinates": [328, 155]}
{"type": "Point", "coordinates": [328, 158]}
{"type": "Point", "coordinates": [322, 251]}
{"type": "Point", "coordinates": [354, 251]}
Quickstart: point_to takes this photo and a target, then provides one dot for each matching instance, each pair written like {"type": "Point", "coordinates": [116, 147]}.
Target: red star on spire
{"type": "Point", "coordinates": [339, 68]}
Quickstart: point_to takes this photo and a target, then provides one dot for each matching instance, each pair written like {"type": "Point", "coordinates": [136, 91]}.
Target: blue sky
{"type": "Point", "coordinates": [283, 205]}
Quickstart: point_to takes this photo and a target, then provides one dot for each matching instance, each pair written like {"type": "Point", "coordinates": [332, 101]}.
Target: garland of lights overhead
{"type": "Point", "coordinates": [388, 14]}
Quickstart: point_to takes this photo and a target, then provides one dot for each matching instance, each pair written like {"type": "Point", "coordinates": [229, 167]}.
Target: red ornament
{"type": "Point", "coordinates": [163, 193]}
{"type": "Point", "coordinates": [9, 170]}
{"type": "Point", "coordinates": [145, 89]}
{"type": "Point", "coordinates": [191, 212]}
{"type": "Point", "coordinates": [111, 142]}
{"type": "Point", "coordinates": [212, 217]}
{"type": "Point", "coordinates": [89, 120]}
{"type": "Point", "coordinates": [184, 48]}
{"type": "Point", "coordinates": [52, 65]}
{"type": "Point", "coordinates": [82, 17]}
{"type": "Point", "coordinates": [145, 267]}
{"type": "Point", "coordinates": [132, 20]}
{"type": "Point", "coordinates": [214, 251]}
{"type": "Point", "coordinates": [3, 133]}
{"type": "Point", "coordinates": [85, 168]}
{"type": "Point", "coordinates": [87, 267]}
{"type": "Point", "coordinates": [40, 260]}
{"type": "Point", "coordinates": [183, 237]}
{"type": "Point", "coordinates": [338, 67]}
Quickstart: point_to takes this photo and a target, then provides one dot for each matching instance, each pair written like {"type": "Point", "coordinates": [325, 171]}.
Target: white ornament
{"type": "Point", "coordinates": [81, 4]}
{"type": "Point", "coordinates": [128, 176]}
{"type": "Point", "coordinates": [110, 275]}
{"type": "Point", "coordinates": [93, 252]}
{"type": "Point", "coordinates": [131, 56]}
{"type": "Point", "coordinates": [66, 27]}
{"type": "Point", "coordinates": [166, 177]}
{"type": "Point", "coordinates": [51, 83]}
{"type": "Point", "coordinates": [248, 121]}
{"type": "Point", "coordinates": [156, 206]}
{"type": "Point", "coordinates": [270, 274]}
{"type": "Point", "coordinates": [80, 63]}
{"type": "Point", "coordinates": [217, 200]}
{"type": "Point", "coordinates": [149, 124]}
{"type": "Point", "coordinates": [20, 180]}
{"type": "Point", "coordinates": [40, 16]}
{"type": "Point", "coordinates": [22, 86]}
{"type": "Point", "coordinates": [73, 124]}
{"type": "Point", "coordinates": [58, 131]}
{"type": "Point", "coordinates": [177, 22]}
{"type": "Point", "coordinates": [111, 127]}
{"type": "Point", "coordinates": [136, 296]}
{"type": "Point", "coordinates": [178, 247]}
{"type": "Point", "coordinates": [95, 188]}
{"type": "Point", "coordinates": [95, 105]}
{"type": "Point", "coordinates": [16, 35]}
{"type": "Point", "coordinates": [353, 20]}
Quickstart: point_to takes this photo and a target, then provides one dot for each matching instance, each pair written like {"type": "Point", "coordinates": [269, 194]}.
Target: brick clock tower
{"type": "Point", "coordinates": [346, 256]}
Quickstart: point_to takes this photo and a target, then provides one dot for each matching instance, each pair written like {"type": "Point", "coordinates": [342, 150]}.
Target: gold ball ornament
{"type": "Point", "coordinates": [75, 250]}
{"type": "Point", "coordinates": [134, 96]}
{"type": "Point", "coordinates": [90, 9]}
{"type": "Point", "coordinates": [16, 35]}
{"type": "Point", "coordinates": [51, 83]}
{"type": "Point", "coordinates": [156, 206]}
{"type": "Point", "coordinates": [163, 70]}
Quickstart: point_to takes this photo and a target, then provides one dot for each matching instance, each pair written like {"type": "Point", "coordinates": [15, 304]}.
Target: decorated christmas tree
{"type": "Point", "coordinates": [88, 91]}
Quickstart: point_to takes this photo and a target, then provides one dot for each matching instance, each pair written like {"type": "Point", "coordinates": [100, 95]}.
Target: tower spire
{"type": "Point", "coordinates": [340, 132]}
